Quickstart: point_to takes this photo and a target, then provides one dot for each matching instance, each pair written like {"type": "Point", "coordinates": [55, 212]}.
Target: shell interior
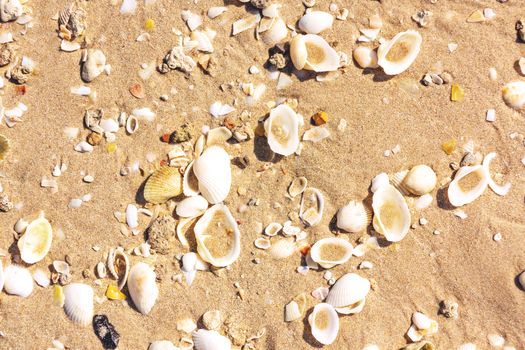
{"type": "Point", "coordinates": [391, 213]}
{"type": "Point", "coordinates": [324, 323]}
{"type": "Point", "coordinates": [469, 183]}
{"type": "Point", "coordinates": [282, 130]}
{"type": "Point", "coordinates": [312, 206]}
{"type": "Point", "coordinates": [396, 55]}
{"type": "Point", "coordinates": [329, 252]}
{"type": "Point", "coordinates": [36, 241]}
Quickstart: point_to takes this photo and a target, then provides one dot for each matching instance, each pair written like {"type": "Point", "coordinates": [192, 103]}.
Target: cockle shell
{"type": "Point", "coordinates": [142, 287]}
{"type": "Point", "coordinates": [210, 340]}
{"type": "Point", "coordinates": [329, 252]}
{"type": "Point", "coordinates": [190, 183]}
{"type": "Point", "coordinates": [282, 130]}
{"type": "Point", "coordinates": [348, 293]}
{"type": "Point", "coordinates": [365, 57]}
{"type": "Point", "coordinates": [162, 345]}
{"type": "Point", "coordinates": [191, 207]}
{"type": "Point", "coordinates": [213, 172]}
{"type": "Point", "coordinates": [17, 281]}
{"type": "Point", "coordinates": [420, 180]}
{"type": "Point", "coordinates": [391, 213]}
{"type": "Point", "coordinates": [283, 248]}
{"type": "Point", "coordinates": [469, 183]}
{"type": "Point", "coordinates": [396, 55]}
{"type": "Point", "coordinates": [132, 124]}
{"type": "Point", "coordinates": [276, 32]}
{"type": "Point", "coordinates": [36, 241]}
{"type": "Point", "coordinates": [164, 184]}
{"type": "Point", "coordinates": [118, 266]}
{"type": "Point", "coordinates": [324, 323]}
{"type": "Point", "coordinates": [312, 206]}
{"type": "Point", "coordinates": [353, 217]}
{"type": "Point", "coordinates": [218, 236]}
{"type": "Point", "coordinates": [500, 190]}
{"type": "Point", "coordinates": [312, 52]}
{"type": "Point", "coordinates": [78, 303]}
{"type": "Point", "coordinates": [514, 94]}
{"type": "Point", "coordinates": [314, 22]}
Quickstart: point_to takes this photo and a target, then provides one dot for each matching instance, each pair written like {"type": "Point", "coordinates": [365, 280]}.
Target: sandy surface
{"type": "Point", "coordinates": [463, 263]}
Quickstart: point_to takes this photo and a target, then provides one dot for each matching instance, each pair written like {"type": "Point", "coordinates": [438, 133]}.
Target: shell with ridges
{"type": "Point", "coordinates": [312, 52]}
{"type": "Point", "coordinates": [329, 252]}
{"type": "Point", "coordinates": [213, 172]}
{"type": "Point", "coordinates": [348, 293]}
{"type": "Point", "coordinates": [420, 180]}
{"type": "Point", "coordinates": [17, 281]}
{"type": "Point", "coordinates": [283, 248]}
{"type": "Point", "coordinates": [118, 266]}
{"type": "Point", "coordinates": [142, 287]}
{"type": "Point", "coordinates": [324, 323]}
{"type": "Point", "coordinates": [210, 340]}
{"type": "Point", "coordinates": [353, 217]}
{"type": "Point", "coordinates": [78, 303]}
{"type": "Point", "coordinates": [469, 183]}
{"type": "Point", "coordinates": [36, 241]}
{"type": "Point", "coordinates": [164, 184]}
{"type": "Point", "coordinates": [282, 130]}
{"type": "Point", "coordinates": [391, 213]}
{"type": "Point", "coordinates": [162, 345]}
{"type": "Point", "coordinates": [396, 55]}
{"type": "Point", "coordinates": [312, 206]}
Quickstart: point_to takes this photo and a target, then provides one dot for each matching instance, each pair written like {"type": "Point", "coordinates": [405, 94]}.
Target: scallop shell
{"type": "Point", "coordinates": [142, 287]}
{"type": "Point", "coordinates": [162, 345]}
{"type": "Point", "coordinates": [276, 32]}
{"type": "Point", "coordinates": [4, 147]}
{"type": "Point", "coordinates": [353, 217]}
{"type": "Point", "coordinates": [514, 94]}
{"type": "Point", "coordinates": [500, 190]}
{"type": "Point", "coordinates": [297, 186]}
{"type": "Point", "coordinates": [420, 180]}
{"type": "Point", "coordinates": [391, 214]}
{"type": "Point", "coordinates": [365, 57]}
{"type": "Point", "coordinates": [379, 181]}
{"type": "Point", "coordinates": [348, 293]}
{"type": "Point", "coordinates": [312, 206]}
{"type": "Point", "coordinates": [78, 303]}
{"type": "Point", "coordinates": [469, 183]}
{"type": "Point", "coordinates": [218, 236]}
{"type": "Point", "coordinates": [312, 52]}
{"type": "Point", "coordinates": [396, 55]}
{"type": "Point", "coordinates": [190, 184]}
{"type": "Point", "coordinates": [17, 281]}
{"type": "Point", "coordinates": [324, 323]}
{"type": "Point", "coordinates": [329, 252]}
{"type": "Point", "coordinates": [191, 207]}
{"type": "Point", "coordinates": [36, 241]}
{"type": "Point", "coordinates": [282, 130]}
{"type": "Point", "coordinates": [213, 172]}
{"type": "Point", "coordinates": [283, 248]}
{"type": "Point", "coordinates": [314, 22]}
{"type": "Point", "coordinates": [210, 340]}
{"type": "Point", "coordinates": [164, 184]}
{"type": "Point", "coordinates": [118, 266]}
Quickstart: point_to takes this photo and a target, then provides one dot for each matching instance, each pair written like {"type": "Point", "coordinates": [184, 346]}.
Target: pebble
{"type": "Point", "coordinates": [496, 340]}
{"type": "Point", "coordinates": [491, 115]}
{"type": "Point", "coordinates": [493, 74]}
{"type": "Point", "coordinates": [106, 332]}
{"type": "Point", "coordinates": [423, 221]}
{"type": "Point", "coordinates": [436, 232]}
{"type": "Point", "coordinates": [88, 179]}
{"type": "Point", "coordinates": [497, 237]}
{"type": "Point", "coordinates": [449, 309]}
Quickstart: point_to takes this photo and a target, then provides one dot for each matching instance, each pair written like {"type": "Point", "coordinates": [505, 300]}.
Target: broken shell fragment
{"type": "Point", "coordinates": [273, 229]}
{"type": "Point", "coordinates": [4, 147]}
{"type": "Point", "coordinates": [498, 189]}
{"type": "Point", "coordinates": [213, 172]}
{"type": "Point", "coordinates": [469, 183]}
{"type": "Point", "coordinates": [314, 22]}
{"type": "Point", "coordinates": [282, 130]}
{"type": "Point", "coordinates": [297, 186]}
{"type": "Point", "coordinates": [164, 184]}
{"type": "Point", "coordinates": [191, 207]}
{"type": "Point", "coordinates": [324, 323]}
{"type": "Point", "coordinates": [312, 52]}
{"type": "Point", "coordinates": [17, 280]}
{"type": "Point", "coordinates": [365, 57]}
{"type": "Point", "coordinates": [329, 252]}
{"type": "Point", "coordinates": [348, 294]}
{"type": "Point", "coordinates": [10, 10]}
{"type": "Point", "coordinates": [36, 241]}
{"type": "Point", "coordinates": [396, 55]}
{"type": "Point", "coordinates": [391, 213]}
{"type": "Point", "coordinates": [295, 309]}
{"type": "Point", "coordinates": [312, 206]}
{"type": "Point", "coordinates": [275, 32]}
{"type": "Point", "coordinates": [93, 65]}
{"type": "Point", "coordinates": [421, 326]}
{"type": "Point", "coordinates": [353, 217]}
{"type": "Point", "coordinates": [78, 303]}
{"type": "Point", "coordinates": [420, 180]}
{"type": "Point", "coordinates": [142, 287]}
{"type": "Point", "coordinates": [514, 94]}
{"type": "Point", "coordinates": [162, 345]}
{"type": "Point", "coordinates": [210, 340]}
{"type": "Point", "coordinates": [118, 266]}
{"type": "Point", "coordinates": [262, 243]}
{"type": "Point", "coordinates": [190, 183]}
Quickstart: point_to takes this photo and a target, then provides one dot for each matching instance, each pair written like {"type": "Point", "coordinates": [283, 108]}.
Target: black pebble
{"type": "Point", "coordinates": [105, 331]}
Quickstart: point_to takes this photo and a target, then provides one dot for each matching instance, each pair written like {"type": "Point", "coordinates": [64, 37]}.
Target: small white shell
{"type": "Point", "coordinates": [420, 180]}
{"type": "Point", "coordinates": [421, 321]}
{"type": "Point", "coordinates": [132, 124]}
{"type": "Point", "coordinates": [348, 293]}
{"type": "Point", "coordinates": [396, 55]}
{"type": "Point", "coordinates": [132, 216]}
{"type": "Point", "coordinates": [312, 52]}
{"type": "Point", "coordinates": [210, 340]}
{"type": "Point", "coordinates": [312, 206]}
{"type": "Point", "coordinates": [162, 345]}
{"type": "Point", "coordinates": [314, 22]}
{"type": "Point", "coordinates": [283, 248]}
{"type": "Point", "coordinates": [514, 94]}
{"type": "Point", "coordinates": [218, 136]}
{"type": "Point", "coordinates": [262, 243]}
{"type": "Point", "coordinates": [93, 66]}
{"type": "Point", "coordinates": [216, 11]}
{"type": "Point", "coordinates": [521, 279]}
{"type": "Point", "coordinates": [379, 181]}
{"type": "Point", "coordinates": [118, 266]}
{"type": "Point", "coordinates": [191, 207]}
{"type": "Point", "coordinates": [282, 130]}
{"type": "Point", "coordinates": [391, 213]}
{"type": "Point", "coordinates": [365, 57]}
{"type": "Point", "coordinates": [17, 281]}
{"type": "Point", "coordinates": [190, 183]}
{"type": "Point", "coordinates": [329, 252]}
{"type": "Point", "coordinates": [78, 303]}
{"type": "Point", "coordinates": [324, 323]}
{"type": "Point", "coordinates": [20, 226]}
{"type": "Point", "coordinates": [276, 33]}
{"type": "Point", "coordinates": [469, 183]}
{"type": "Point", "coordinates": [273, 229]}
{"type": "Point", "coordinates": [36, 241]}
{"type": "Point", "coordinates": [498, 189]}
{"type": "Point", "coordinates": [353, 217]}
{"type": "Point", "coordinates": [142, 287]}
{"type": "Point", "coordinates": [316, 134]}
{"type": "Point", "coordinates": [213, 172]}
{"type": "Point", "coordinates": [41, 278]}
{"type": "Point", "coordinates": [69, 46]}
{"type": "Point", "coordinates": [203, 40]}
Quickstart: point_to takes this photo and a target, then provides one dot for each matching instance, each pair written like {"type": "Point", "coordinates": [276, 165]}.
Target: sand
{"type": "Point", "coordinates": [462, 264]}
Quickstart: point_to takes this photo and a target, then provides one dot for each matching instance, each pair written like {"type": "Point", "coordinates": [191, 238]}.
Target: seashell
{"type": "Point", "coordinates": [185, 227]}
{"type": "Point", "coordinates": [514, 94]}
{"type": "Point", "coordinates": [213, 172]}
{"type": "Point", "coordinates": [144, 113]}
{"type": "Point", "coordinates": [420, 180]}
{"type": "Point", "coordinates": [93, 66]}
{"type": "Point", "coordinates": [83, 147]}
{"type": "Point", "coordinates": [192, 206]}
{"type": "Point", "coordinates": [396, 55]}
{"type": "Point", "coordinates": [189, 269]}
{"type": "Point", "coordinates": [190, 183]}
{"type": "Point", "coordinates": [132, 124]}
{"type": "Point", "coordinates": [316, 134]}
{"type": "Point", "coordinates": [312, 52]}
{"type": "Point", "coordinates": [365, 57]}
{"type": "Point", "coordinates": [212, 319]}
{"type": "Point", "coordinates": [282, 130]}
{"type": "Point", "coordinates": [218, 109]}
{"type": "Point", "coordinates": [118, 266]}
{"type": "Point", "coordinates": [186, 325]}
{"type": "Point", "coordinates": [312, 206]}
{"type": "Point", "coordinates": [329, 252]}
{"type": "Point", "coordinates": [297, 186]}
{"type": "Point", "coordinates": [273, 229]}
{"type": "Point", "coordinates": [276, 33]}
{"type": "Point", "coordinates": [421, 326]}
{"type": "Point", "coordinates": [218, 136]}
{"type": "Point", "coordinates": [469, 183]}
{"type": "Point", "coordinates": [521, 279]}
{"type": "Point", "coordinates": [101, 270]}
{"type": "Point", "coordinates": [61, 267]}
{"type": "Point", "coordinates": [218, 236]}
{"type": "Point", "coordinates": [262, 243]}
{"type": "Point", "coordinates": [498, 189]}
{"type": "Point", "coordinates": [4, 147]}
{"type": "Point", "coordinates": [10, 10]}
{"type": "Point", "coordinates": [164, 184]}
{"type": "Point", "coordinates": [423, 202]}
{"type": "Point", "coordinates": [314, 22]}
{"type": "Point", "coordinates": [17, 280]}
{"type": "Point", "coordinates": [295, 309]}
{"type": "Point", "coordinates": [283, 248]}
{"type": "Point", "coordinates": [132, 216]}
{"type": "Point", "coordinates": [203, 40]}
{"type": "Point", "coordinates": [78, 303]}
{"type": "Point", "coordinates": [379, 181]}
{"type": "Point", "coordinates": [210, 340]}
{"type": "Point", "coordinates": [246, 23]}
{"type": "Point", "coordinates": [36, 241]}
{"type": "Point", "coordinates": [423, 345]}
{"type": "Point", "coordinates": [348, 293]}
{"type": "Point", "coordinates": [353, 217]}
{"type": "Point", "coordinates": [271, 10]}
{"type": "Point", "coordinates": [142, 287]}
{"type": "Point", "coordinates": [391, 214]}
{"type": "Point", "coordinates": [41, 278]}
{"type": "Point", "coordinates": [69, 46]}
{"type": "Point", "coordinates": [324, 323]}
{"type": "Point", "coordinates": [162, 345]}
{"type": "Point", "coordinates": [216, 11]}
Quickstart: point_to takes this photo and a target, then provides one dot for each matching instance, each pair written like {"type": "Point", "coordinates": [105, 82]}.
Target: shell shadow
{"type": "Point", "coordinates": [517, 68]}
{"type": "Point", "coordinates": [307, 331]}
{"type": "Point", "coordinates": [263, 152]}
{"type": "Point", "coordinates": [517, 281]}
{"type": "Point", "coordinates": [380, 76]}
{"type": "Point", "coordinates": [442, 199]}
{"type": "Point", "coordinates": [139, 196]}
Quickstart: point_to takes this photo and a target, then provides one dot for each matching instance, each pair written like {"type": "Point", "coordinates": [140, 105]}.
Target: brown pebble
{"type": "Point", "coordinates": [87, 273]}
{"type": "Point", "coordinates": [94, 138]}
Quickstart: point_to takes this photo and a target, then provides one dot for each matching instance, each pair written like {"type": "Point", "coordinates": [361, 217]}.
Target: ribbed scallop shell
{"type": "Point", "coordinates": [118, 266]}
{"type": "Point", "coordinates": [458, 195]}
{"type": "Point", "coordinates": [210, 340]}
{"type": "Point", "coordinates": [332, 251]}
{"type": "Point", "coordinates": [282, 130]}
{"type": "Point", "coordinates": [164, 184]}
{"type": "Point", "coordinates": [213, 171]}
{"type": "Point", "coordinates": [324, 323]}
{"type": "Point", "coordinates": [396, 55]}
{"type": "Point", "coordinates": [17, 281]}
{"type": "Point", "coordinates": [142, 287]}
{"type": "Point", "coordinates": [312, 52]}
{"type": "Point", "coordinates": [348, 291]}
{"type": "Point", "coordinates": [353, 217]}
{"type": "Point", "coordinates": [391, 213]}
{"type": "Point", "coordinates": [78, 303]}
{"type": "Point", "coordinates": [420, 180]}
{"type": "Point", "coordinates": [190, 183]}
{"type": "Point", "coordinates": [36, 241]}
{"type": "Point", "coordinates": [4, 147]}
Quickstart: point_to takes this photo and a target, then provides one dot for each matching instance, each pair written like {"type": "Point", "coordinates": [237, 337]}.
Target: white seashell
{"type": "Point", "coordinates": [69, 46]}
{"type": "Point", "coordinates": [312, 206]}
{"type": "Point", "coordinates": [184, 227]}
{"type": "Point", "coordinates": [421, 326]}
{"type": "Point", "coordinates": [162, 345]}
{"type": "Point", "coordinates": [391, 213]}
{"type": "Point", "coordinates": [186, 325]}
{"type": "Point", "coordinates": [210, 340]}
{"type": "Point", "coordinates": [190, 183]}
{"type": "Point", "coordinates": [498, 189]}
{"type": "Point", "coordinates": [329, 252]}
{"type": "Point", "coordinates": [423, 202]}
{"type": "Point", "coordinates": [353, 217]}
{"type": "Point", "coordinates": [142, 287]}
{"type": "Point", "coordinates": [312, 52]}
{"type": "Point", "coordinates": [36, 241]}
{"type": "Point", "coordinates": [132, 124]}
{"type": "Point", "coordinates": [218, 236]}
{"type": "Point", "coordinates": [283, 248]}
{"type": "Point", "coordinates": [41, 278]}
{"type": "Point", "coordinates": [292, 311]}
{"type": "Point", "coordinates": [420, 180]}
{"type": "Point", "coordinates": [271, 11]}
{"type": "Point", "coordinates": [189, 269]}
{"type": "Point", "coordinates": [379, 181]}
{"type": "Point", "coordinates": [276, 33]}
{"type": "Point", "coordinates": [396, 55]}
{"type": "Point", "coordinates": [297, 186]}
{"type": "Point", "coordinates": [246, 23]}
{"type": "Point", "coordinates": [469, 183]}
{"type": "Point", "coordinates": [132, 216]}
{"type": "Point", "coordinates": [144, 113]}
{"type": "Point", "coordinates": [262, 243]}
{"type": "Point", "coordinates": [316, 134]}
{"type": "Point", "coordinates": [118, 266]}
{"type": "Point", "coordinates": [6, 37]}
{"type": "Point", "coordinates": [365, 57]}
{"type": "Point", "coordinates": [212, 320]}
{"type": "Point", "coordinates": [521, 279]}
{"type": "Point", "coordinates": [83, 147]}
{"type": "Point", "coordinates": [191, 207]}
{"type": "Point", "coordinates": [61, 267]}
{"type": "Point", "coordinates": [213, 172]}
{"type": "Point", "coordinates": [128, 7]}
{"type": "Point", "coordinates": [282, 130]}
{"type": "Point", "coordinates": [109, 125]}
{"type": "Point", "coordinates": [413, 334]}
{"type": "Point", "coordinates": [421, 321]}
{"type": "Point", "coordinates": [324, 323]}
{"type": "Point", "coordinates": [17, 281]}
{"type": "Point", "coordinates": [78, 303]}
{"type": "Point", "coordinates": [348, 293]}
{"type": "Point", "coordinates": [314, 22]}
{"type": "Point", "coordinates": [216, 11]}
{"type": "Point", "coordinates": [514, 94]}
{"type": "Point", "coordinates": [93, 66]}
{"type": "Point", "coordinates": [203, 40]}
{"type": "Point", "coordinates": [218, 109]}
{"type": "Point", "coordinates": [2, 276]}
{"type": "Point", "coordinates": [218, 136]}
{"type": "Point", "coordinates": [273, 229]}
{"type": "Point", "coordinates": [496, 340]}
{"type": "Point", "coordinates": [192, 20]}
{"type": "Point", "coordinates": [101, 270]}
{"type": "Point", "coordinates": [81, 90]}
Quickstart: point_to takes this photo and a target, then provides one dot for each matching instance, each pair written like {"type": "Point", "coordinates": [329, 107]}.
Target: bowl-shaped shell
{"type": "Point", "coordinates": [391, 213]}
{"type": "Point", "coordinates": [324, 323]}
{"type": "Point", "coordinates": [329, 252]}
{"type": "Point", "coordinates": [314, 22]}
{"type": "Point", "coordinates": [365, 57]}
{"type": "Point", "coordinates": [282, 130]}
{"type": "Point", "coordinates": [36, 241]}
{"type": "Point", "coordinates": [420, 180]}
{"type": "Point", "coordinates": [312, 52]}
{"type": "Point", "coordinates": [276, 32]}
{"type": "Point", "coordinates": [17, 281]}
{"type": "Point", "coordinates": [312, 206]}
{"type": "Point", "coordinates": [142, 287]}
{"type": "Point", "coordinates": [349, 292]}
{"type": "Point", "coordinates": [513, 94]}
{"type": "Point", "coordinates": [210, 340]}
{"type": "Point", "coordinates": [353, 217]}
{"type": "Point", "coordinates": [190, 183]}
{"type": "Point", "coordinates": [191, 207]}
{"type": "Point", "coordinates": [78, 303]}
{"type": "Point", "coordinates": [218, 236]}
{"type": "Point", "coordinates": [396, 55]}
{"type": "Point", "coordinates": [213, 172]}
{"type": "Point", "coordinates": [500, 190]}
{"type": "Point", "coordinates": [162, 345]}
{"type": "Point", "coordinates": [118, 266]}
{"type": "Point", "coordinates": [469, 183]}
{"type": "Point", "coordinates": [4, 147]}
{"type": "Point", "coordinates": [164, 184]}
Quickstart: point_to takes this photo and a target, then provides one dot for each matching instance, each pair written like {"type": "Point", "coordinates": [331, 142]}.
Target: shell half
{"type": "Point", "coordinates": [391, 213]}
{"type": "Point", "coordinates": [164, 184]}
{"type": "Point", "coordinates": [396, 55]}
{"type": "Point", "coordinates": [213, 172]}
{"type": "Point", "coordinates": [353, 217]}
{"type": "Point", "coordinates": [210, 340]}
{"type": "Point", "coordinates": [312, 52]}
{"type": "Point", "coordinates": [314, 22]}
{"type": "Point", "coordinates": [469, 183]}
{"type": "Point", "coordinates": [513, 94]}
{"type": "Point", "coordinates": [420, 180]}
{"type": "Point", "coordinates": [118, 266]}
{"type": "Point", "coordinates": [78, 303]}
{"type": "Point", "coordinates": [142, 287]}
{"type": "Point", "coordinates": [348, 294]}
{"type": "Point", "coordinates": [329, 252]}
{"type": "Point", "coordinates": [191, 207]}
{"type": "Point", "coordinates": [17, 281]}
{"type": "Point", "coordinates": [324, 323]}
{"type": "Point", "coordinates": [312, 206]}
{"type": "Point", "coordinates": [282, 130]}
{"type": "Point", "coordinates": [36, 241]}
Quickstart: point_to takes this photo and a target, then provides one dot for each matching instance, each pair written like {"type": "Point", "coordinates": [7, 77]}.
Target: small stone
{"type": "Point", "coordinates": [476, 17]}
{"type": "Point", "coordinates": [320, 118]}
{"type": "Point", "coordinates": [93, 65]}
{"type": "Point", "coordinates": [449, 146]}
{"type": "Point", "coordinates": [493, 73]}
{"type": "Point", "coordinates": [496, 340]}
{"type": "Point", "coordinates": [436, 232]}
{"type": "Point", "coordinates": [497, 237]}
{"type": "Point", "coordinates": [5, 204]}
{"type": "Point", "coordinates": [241, 191]}
{"type": "Point", "coordinates": [427, 80]}
{"type": "Point", "coordinates": [69, 260]}
{"type": "Point", "coordinates": [365, 265]}
{"type": "Point", "coordinates": [422, 17]}
{"type": "Point", "coordinates": [212, 320]}
{"type": "Point", "coordinates": [491, 115]}
{"type": "Point", "coordinates": [449, 309]}
{"type": "Point", "coordinates": [106, 332]}
{"type": "Point", "coordinates": [7, 54]}
{"type": "Point", "coordinates": [423, 221]}
{"type": "Point", "coordinates": [436, 79]}
{"type": "Point", "coordinates": [161, 234]}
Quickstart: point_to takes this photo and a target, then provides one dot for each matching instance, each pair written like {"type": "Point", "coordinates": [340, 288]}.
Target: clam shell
{"type": "Point", "coordinates": [78, 303]}
{"type": "Point", "coordinates": [218, 236]}
{"type": "Point", "coordinates": [500, 190]}
{"type": "Point", "coordinates": [329, 252]}
{"type": "Point", "coordinates": [353, 217]}
{"type": "Point", "coordinates": [190, 184]}
{"type": "Point", "coordinates": [514, 94]}
{"type": "Point", "coordinates": [118, 266]}
{"type": "Point", "coordinates": [162, 345]}
{"type": "Point", "coordinates": [424, 345]}
{"type": "Point", "coordinates": [36, 241]}
{"type": "Point", "coordinates": [297, 186]}
{"type": "Point", "coordinates": [142, 287]}
{"type": "Point", "coordinates": [365, 57]}
{"type": "Point", "coordinates": [312, 52]}
{"type": "Point", "coordinates": [282, 130]}
{"type": "Point", "coordinates": [191, 207]}
{"type": "Point", "coordinates": [210, 340]}
{"type": "Point", "coordinates": [283, 248]}
{"type": "Point", "coordinates": [164, 184]}
{"type": "Point", "coordinates": [391, 213]}
{"type": "Point", "coordinates": [213, 172]}
{"type": "Point", "coordinates": [262, 243]}
{"type": "Point", "coordinates": [312, 206]}
{"type": "Point", "coordinates": [314, 22]}
{"type": "Point", "coordinates": [17, 281]}
{"type": "Point", "coordinates": [276, 33]}
{"type": "Point", "coordinates": [273, 229]}
{"type": "Point", "coordinates": [324, 323]}
{"type": "Point", "coordinates": [396, 55]}
{"type": "Point", "coordinates": [132, 124]}
{"type": "Point", "coordinates": [379, 181]}
{"type": "Point", "coordinates": [348, 293]}
{"type": "Point", "coordinates": [469, 183]}
{"type": "Point", "coordinates": [420, 180]}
